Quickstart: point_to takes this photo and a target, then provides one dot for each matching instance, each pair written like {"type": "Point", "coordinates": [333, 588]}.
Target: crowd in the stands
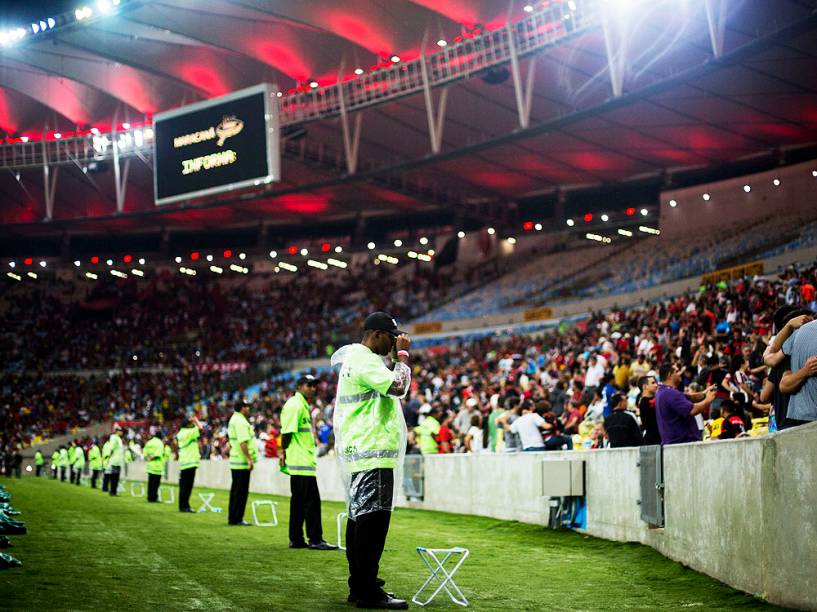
{"type": "Point", "coordinates": [495, 393]}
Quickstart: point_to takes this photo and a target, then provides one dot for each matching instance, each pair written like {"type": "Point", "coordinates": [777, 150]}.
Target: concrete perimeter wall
{"type": "Point", "coordinates": [742, 511]}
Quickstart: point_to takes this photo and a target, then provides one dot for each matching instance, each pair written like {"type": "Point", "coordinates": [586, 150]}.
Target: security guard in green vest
{"type": "Point", "coordinates": [55, 463]}
{"type": "Point", "coordinates": [39, 462]}
{"type": "Point", "coordinates": [78, 464]}
{"type": "Point", "coordinates": [106, 464]}
{"type": "Point", "coordinates": [243, 455]}
{"type": "Point", "coordinates": [189, 459]}
{"type": "Point", "coordinates": [370, 439]}
{"type": "Point", "coordinates": [117, 460]}
{"type": "Point", "coordinates": [154, 453]}
{"type": "Point", "coordinates": [63, 463]}
{"type": "Point", "coordinates": [427, 432]}
{"type": "Point", "coordinates": [168, 455]}
{"type": "Point", "coordinates": [94, 462]}
{"type": "Point", "coordinates": [300, 461]}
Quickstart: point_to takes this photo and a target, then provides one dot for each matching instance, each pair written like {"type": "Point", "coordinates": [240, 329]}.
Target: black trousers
{"type": "Point", "coordinates": [304, 505]}
{"type": "Point", "coordinates": [39, 471]}
{"type": "Point", "coordinates": [106, 481]}
{"type": "Point", "coordinates": [94, 477]}
{"type": "Point", "coordinates": [54, 470]}
{"type": "Point", "coordinates": [239, 490]}
{"type": "Point", "coordinates": [77, 476]}
{"type": "Point", "coordinates": [154, 480]}
{"type": "Point", "coordinates": [113, 484]}
{"type": "Point", "coordinates": [186, 478]}
{"type": "Point", "coordinates": [62, 473]}
{"type": "Point", "coordinates": [366, 534]}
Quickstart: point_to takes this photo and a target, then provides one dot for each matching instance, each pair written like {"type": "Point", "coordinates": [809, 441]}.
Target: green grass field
{"type": "Point", "coordinates": [88, 551]}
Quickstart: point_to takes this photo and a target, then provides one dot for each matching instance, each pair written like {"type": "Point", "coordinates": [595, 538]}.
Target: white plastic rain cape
{"type": "Point", "coordinates": [365, 494]}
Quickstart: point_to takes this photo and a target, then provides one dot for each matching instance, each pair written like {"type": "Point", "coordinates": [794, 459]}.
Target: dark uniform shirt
{"type": "Point", "coordinates": [622, 429]}
{"type": "Point", "coordinates": [646, 408]}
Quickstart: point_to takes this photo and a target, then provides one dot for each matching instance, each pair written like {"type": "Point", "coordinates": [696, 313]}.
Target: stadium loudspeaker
{"type": "Point", "coordinates": [265, 502]}
{"type": "Point", "coordinates": [341, 516]}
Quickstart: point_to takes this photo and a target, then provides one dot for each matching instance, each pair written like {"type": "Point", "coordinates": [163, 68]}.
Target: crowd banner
{"type": "Point", "coordinates": [733, 273]}
{"type": "Point", "coordinates": [428, 327]}
{"type": "Point", "coordinates": [538, 314]}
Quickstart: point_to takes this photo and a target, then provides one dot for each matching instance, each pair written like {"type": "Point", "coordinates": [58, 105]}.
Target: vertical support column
{"type": "Point", "coordinates": [120, 175]}
{"type": "Point", "coordinates": [716, 21]}
{"type": "Point", "coordinates": [435, 116]}
{"type": "Point", "coordinates": [49, 180]}
{"type": "Point", "coordinates": [351, 138]}
{"type": "Point", "coordinates": [524, 92]}
{"type": "Point", "coordinates": [615, 44]}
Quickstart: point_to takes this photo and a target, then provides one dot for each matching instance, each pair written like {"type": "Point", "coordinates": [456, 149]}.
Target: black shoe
{"type": "Point", "coordinates": [188, 510]}
{"type": "Point", "coordinates": [322, 545]}
{"type": "Point", "coordinates": [379, 582]}
{"type": "Point", "coordinates": [298, 545]}
{"type": "Point", "coordinates": [241, 524]}
{"type": "Point", "coordinates": [384, 602]}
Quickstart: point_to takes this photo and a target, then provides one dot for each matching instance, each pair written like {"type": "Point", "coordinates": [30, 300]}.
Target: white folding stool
{"type": "Point", "coordinates": [172, 499]}
{"type": "Point", "coordinates": [206, 498]}
{"type": "Point", "coordinates": [133, 489]}
{"type": "Point", "coordinates": [341, 516]}
{"type": "Point", "coordinates": [264, 502]}
{"type": "Point", "coordinates": [431, 559]}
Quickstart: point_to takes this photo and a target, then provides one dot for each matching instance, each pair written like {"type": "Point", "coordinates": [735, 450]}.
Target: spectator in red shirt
{"type": "Point", "coordinates": [445, 437]}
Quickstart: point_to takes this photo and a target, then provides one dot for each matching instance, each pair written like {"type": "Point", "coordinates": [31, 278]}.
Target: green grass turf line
{"type": "Point", "coordinates": [88, 551]}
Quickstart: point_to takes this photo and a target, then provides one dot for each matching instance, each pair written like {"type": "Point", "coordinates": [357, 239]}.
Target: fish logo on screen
{"type": "Point", "coordinates": [229, 127]}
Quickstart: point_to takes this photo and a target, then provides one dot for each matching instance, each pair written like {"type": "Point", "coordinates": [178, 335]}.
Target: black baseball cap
{"type": "Point", "coordinates": [382, 321]}
{"type": "Point", "coordinates": [306, 379]}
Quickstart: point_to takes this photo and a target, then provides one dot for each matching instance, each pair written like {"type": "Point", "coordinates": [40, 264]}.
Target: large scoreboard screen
{"type": "Point", "coordinates": [218, 145]}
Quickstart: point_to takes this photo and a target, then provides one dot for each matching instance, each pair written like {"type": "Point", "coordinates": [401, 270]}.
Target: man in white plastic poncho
{"type": "Point", "coordinates": [370, 441]}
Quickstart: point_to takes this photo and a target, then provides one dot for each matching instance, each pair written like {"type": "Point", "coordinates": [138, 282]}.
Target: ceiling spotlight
{"type": "Point", "coordinates": [338, 249]}
{"type": "Point", "coordinates": [141, 261]}
{"type": "Point", "coordinates": [51, 22]}
{"type": "Point", "coordinates": [776, 182]}
{"type": "Point", "coordinates": [395, 58]}
{"type": "Point", "coordinates": [673, 203]}
{"type": "Point", "coordinates": [358, 71]}
{"type": "Point", "coordinates": [313, 84]}
{"type": "Point", "coordinates": [35, 28]}
{"type": "Point", "coordinates": [109, 262]}
{"type": "Point", "coordinates": [77, 263]}
{"type": "Point", "coordinates": [57, 135]}
{"type": "Point", "coordinates": [460, 234]}
{"type": "Point", "coordinates": [24, 138]}
{"type": "Point", "coordinates": [605, 218]}
{"type": "Point", "coordinates": [644, 212]}
{"type": "Point", "coordinates": [706, 197]}
{"type": "Point", "coordinates": [747, 188]}
{"type": "Point", "coordinates": [398, 243]}
{"type": "Point", "coordinates": [104, 6]}
{"type": "Point", "coordinates": [43, 264]}
{"type": "Point", "coordinates": [272, 254]}
{"type": "Point", "coordinates": [511, 240]}
{"type": "Point", "coordinates": [423, 240]}
{"type": "Point", "coordinates": [304, 252]}
{"type": "Point", "coordinates": [491, 231]}
{"type": "Point", "coordinates": [442, 43]}
{"type": "Point", "coordinates": [571, 222]}
{"type": "Point", "coordinates": [242, 256]}
{"type": "Point", "coordinates": [371, 246]}
{"type": "Point", "coordinates": [527, 8]}
{"type": "Point", "coordinates": [209, 258]}
{"type": "Point", "coordinates": [178, 260]}
{"type": "Point", "coordinates": [12, 264]}
{"type": "Point", "coordinates": [538, 227]}
{"type": "Point", "coordinates": [814, 173]}
{"type": "Point", "coordinates": [126, 126]}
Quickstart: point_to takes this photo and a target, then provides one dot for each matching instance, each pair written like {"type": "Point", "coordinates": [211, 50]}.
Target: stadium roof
{"type": "Point", "coordinates": [679, 106]}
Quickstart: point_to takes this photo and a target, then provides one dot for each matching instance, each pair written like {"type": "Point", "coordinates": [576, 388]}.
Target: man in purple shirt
{"type": "Point", "coordinates": [675, 412]}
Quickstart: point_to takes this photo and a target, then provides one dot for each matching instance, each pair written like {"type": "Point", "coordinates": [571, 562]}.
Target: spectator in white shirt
{"type": "Point", "coordinates": [529, 427]}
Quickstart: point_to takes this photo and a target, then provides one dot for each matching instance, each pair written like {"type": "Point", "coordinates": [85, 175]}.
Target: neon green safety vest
{"type": "Point", "coordinates": [426, 431]}
{"type": "Point", "coordinates": [168, 454]}
{"type": "Point", "coordinates": [63, 457]}
{"type": "Point", "coordinates": [55, 458]}
{"type": "Point", "coordinates": [301, 454]}
{"type": "Point", "coordinates": [188, 441]}
{"type": "Point", "coordinates": [38, 458]}
{"type": "Point", "coordinates": [371, 430]}
{"type": "Point", "coordinates": [94, 458]}
{"type": "Point", "coordinates": [106, 453]}
{"type": "Point", "coordinates": [239, 430]}
{"type": "Point", "coordinates": [117, 451]}
{"type": "Point", "coordinates": [154, 452]}
{"type": "Point", "coordinates": [79, 457]}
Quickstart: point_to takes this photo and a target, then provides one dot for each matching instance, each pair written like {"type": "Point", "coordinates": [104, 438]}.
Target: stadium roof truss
{"type": "Point", "coordinates": [399, 107]}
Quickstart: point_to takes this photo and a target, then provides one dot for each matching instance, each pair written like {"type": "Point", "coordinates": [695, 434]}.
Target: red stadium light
{"type": "Point", "coordinates": [325, 247]}
{"type": "Point", "coordinates": [194, 255]}
{"type": "Point", "coordinates": [293, 250]}
{"type": "Point", "coordinates": [630, 212]}
{"type": "Point", "coordinates": [95, 259]}
{"type": "Point", "coordinates": [227, 254]}
{"type": "Point", "coordinates": [527, 226]}
{"type": "Point", "coordinates": [588, 218]}
{"type": "Point", "coordinates": [127, 258]}
{"type": "Point", "coordinates": [28, 261]}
